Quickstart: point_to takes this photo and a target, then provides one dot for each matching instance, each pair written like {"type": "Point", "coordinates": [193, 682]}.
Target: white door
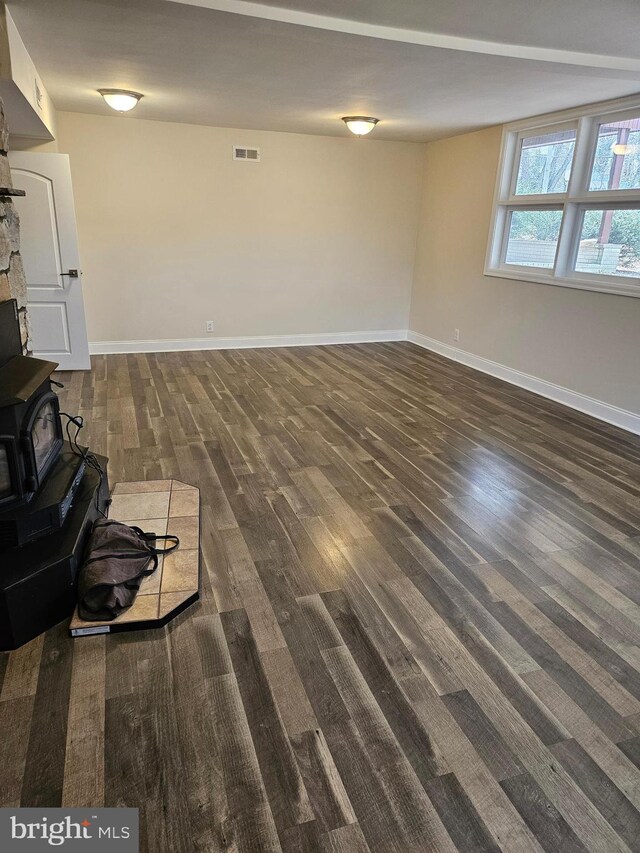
{"type": "Point", "coordinates": [49, 250]}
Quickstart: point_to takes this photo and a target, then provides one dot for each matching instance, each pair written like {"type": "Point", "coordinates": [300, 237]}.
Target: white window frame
{"type": "Point", "coordinates": [573, 202]}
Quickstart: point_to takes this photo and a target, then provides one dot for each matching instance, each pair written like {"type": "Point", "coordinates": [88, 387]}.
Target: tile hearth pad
{"type": "Point", "coordinates": [160, 506]}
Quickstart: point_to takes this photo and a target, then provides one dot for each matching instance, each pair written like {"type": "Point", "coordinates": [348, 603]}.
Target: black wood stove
{"type": "Point", "coordinates": [30, 428]}
{"type": "Point", "coordinates": [49, 499]}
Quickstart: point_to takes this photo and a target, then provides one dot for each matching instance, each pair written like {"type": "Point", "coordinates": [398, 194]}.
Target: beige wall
{"type": "Point", "coordinates": [322, 236]}
{"type": "Point", "coordinates": [587, 342]}
{"type": "Point", "coordinates": [318, 237]}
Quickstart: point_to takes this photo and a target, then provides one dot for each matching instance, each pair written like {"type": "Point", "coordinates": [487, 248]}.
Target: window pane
{"type": "Point", "coordinates": [533, 237]}
{"type": "Point", "coordinates": [545, 163]}
{"type": "Point", "coordinates": [617, 162]}
{"type": "Point", "coordinates": [610, 243]}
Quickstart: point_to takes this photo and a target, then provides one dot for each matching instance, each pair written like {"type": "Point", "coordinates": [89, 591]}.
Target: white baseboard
{"type": "Point", "coordinates": [211, 343]}
{"type": "Point", "coordinates": [588, 405]}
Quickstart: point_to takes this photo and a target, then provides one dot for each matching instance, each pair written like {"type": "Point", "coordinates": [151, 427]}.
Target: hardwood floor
{"type": "Point", "coordinates": [420, 616]}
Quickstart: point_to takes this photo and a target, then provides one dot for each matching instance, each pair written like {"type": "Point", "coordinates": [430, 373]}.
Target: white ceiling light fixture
{"type": "Point", "coordinates": [360, 125]}
{"type": "Point", "coordinates": [120, 100]}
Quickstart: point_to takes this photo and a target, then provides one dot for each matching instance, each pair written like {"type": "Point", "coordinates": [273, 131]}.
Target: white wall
{"type": "Point", "coordinates": [318, 237]}
{"type": "Point", "coordinates": [583, 341]}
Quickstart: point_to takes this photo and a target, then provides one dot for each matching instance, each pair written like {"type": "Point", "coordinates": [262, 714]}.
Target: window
{"type": "Point", "coordinates": [567, 206]}
{"type": "Point", "coordinates": [533, 237]}
{"type": "Point", "coordinates": [545, 163]}
{"type": "Point", "coordinates": [617, 161]}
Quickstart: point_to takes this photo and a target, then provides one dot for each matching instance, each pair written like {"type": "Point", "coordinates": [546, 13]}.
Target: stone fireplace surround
{"type": "Point", "coordinates": [13, 284]}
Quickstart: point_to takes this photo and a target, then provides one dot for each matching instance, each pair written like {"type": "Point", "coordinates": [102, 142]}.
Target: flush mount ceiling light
{"type": "Point", "coordinates": [360, 125]}
{"type": "Point", "coordinates": [120, 99]}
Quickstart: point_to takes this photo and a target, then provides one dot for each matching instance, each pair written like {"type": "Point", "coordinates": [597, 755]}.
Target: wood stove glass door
{"type": "Point", "coordinates": [49, 249]}
{"type": "Point", "coordinates": [6, 484]}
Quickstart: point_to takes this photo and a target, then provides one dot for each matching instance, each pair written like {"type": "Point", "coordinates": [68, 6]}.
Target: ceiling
{"type": "Point", "coordinates": [427, 68]}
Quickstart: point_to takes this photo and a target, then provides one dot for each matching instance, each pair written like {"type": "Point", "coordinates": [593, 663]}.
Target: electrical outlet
{"type": "Point", "coordinates": [209, 325]}
{"type": "Point", "coordinates": [456, 334]}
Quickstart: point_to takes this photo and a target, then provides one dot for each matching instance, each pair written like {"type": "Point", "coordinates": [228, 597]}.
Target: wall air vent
{"type": "Point", "coordinates": [249, 155]}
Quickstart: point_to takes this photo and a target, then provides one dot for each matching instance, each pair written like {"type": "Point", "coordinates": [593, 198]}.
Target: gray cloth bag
{"type": "Point", "coordinates": [118, 559]}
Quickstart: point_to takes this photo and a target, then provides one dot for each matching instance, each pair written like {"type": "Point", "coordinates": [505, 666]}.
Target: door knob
{"type": "Point", "coordinates": [71, 273]}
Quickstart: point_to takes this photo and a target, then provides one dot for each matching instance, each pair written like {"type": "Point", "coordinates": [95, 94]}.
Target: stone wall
{"type": "Point", "coordinates": [13, 284]}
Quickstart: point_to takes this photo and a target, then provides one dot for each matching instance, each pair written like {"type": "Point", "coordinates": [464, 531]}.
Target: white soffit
{"type": "Point", "coordinates": [292, 15]}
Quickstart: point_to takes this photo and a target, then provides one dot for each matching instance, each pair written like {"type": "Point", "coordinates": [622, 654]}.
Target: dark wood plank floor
{"type": "Point", "coordinates": [420, 620]}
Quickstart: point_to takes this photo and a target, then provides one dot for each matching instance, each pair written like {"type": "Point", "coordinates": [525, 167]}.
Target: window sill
{"type": "Point", "coordinates": [615, 287]}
